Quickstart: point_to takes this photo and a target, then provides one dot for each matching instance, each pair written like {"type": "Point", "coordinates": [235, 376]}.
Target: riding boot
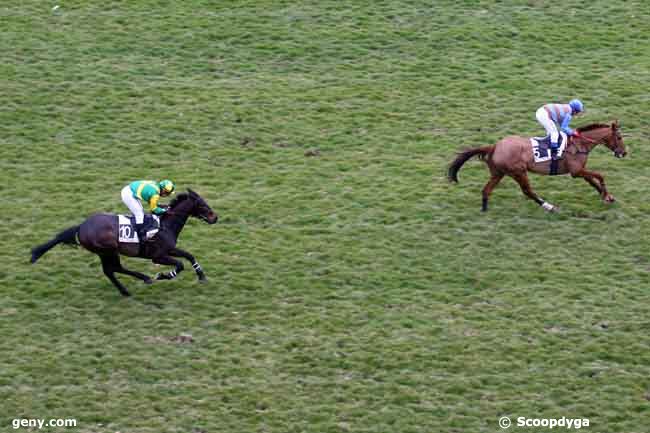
{"type": "Point", "coordinates": [554, 161]}
{"type": "Point", "coordinates": [554, 150]}
{"type": "Point", "coordinates": [142, 232]}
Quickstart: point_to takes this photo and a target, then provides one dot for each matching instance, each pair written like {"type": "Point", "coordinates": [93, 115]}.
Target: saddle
{"type": "Point", "coordinates": [127, 232]}
{"type": "Point", "coordinates": [542, 147]}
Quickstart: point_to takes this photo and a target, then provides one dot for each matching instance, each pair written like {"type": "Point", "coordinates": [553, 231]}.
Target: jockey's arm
{"type": "Point", "coordinates": [565, 125]}
{"type": "Point", "coordinates": [153, 205]}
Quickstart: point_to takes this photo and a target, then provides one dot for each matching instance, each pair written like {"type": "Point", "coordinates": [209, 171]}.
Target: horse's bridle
{"type": "Point", "coordinates": [616, 139]}
{"type": "Point", "coordinates": [616, 143]}
{"type": "Point", "coordinates": [205, 218]}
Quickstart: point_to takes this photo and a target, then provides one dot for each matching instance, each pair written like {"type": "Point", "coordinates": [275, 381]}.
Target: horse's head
{"type": "Point", "coordinates": [610, 135]}
{"type": "Point", "coordinates": [201, 209]}
{"type": "Point", "coordinates": [615, 141]}
{"type": "Point", "coordinates": [194, 205]}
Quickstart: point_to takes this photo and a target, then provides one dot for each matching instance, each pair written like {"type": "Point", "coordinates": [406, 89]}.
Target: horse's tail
{"type": "Point", "coordinates": [67, 236]}
{"type": "Point", "coordinates": [454, 167]}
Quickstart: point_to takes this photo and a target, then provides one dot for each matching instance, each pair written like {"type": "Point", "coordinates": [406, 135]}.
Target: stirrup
{"type": "Point", "coordinates": [554, 152]}
{"type": "Point", "coordinates": [142, 235]}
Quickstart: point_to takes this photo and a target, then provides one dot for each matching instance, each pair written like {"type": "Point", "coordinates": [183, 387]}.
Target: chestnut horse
{"type": "Point", "coordinates": [513, 156]}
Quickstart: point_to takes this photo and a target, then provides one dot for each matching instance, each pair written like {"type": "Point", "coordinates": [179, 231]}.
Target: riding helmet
{"type": "Point", "coordinates": [167, 186]}
{"type": "Point", "coordinates": [577, 106]}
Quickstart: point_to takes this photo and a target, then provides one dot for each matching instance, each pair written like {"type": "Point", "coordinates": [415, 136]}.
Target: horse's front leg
{"type": "Point", "coordinates": [168, 260]}
{"type": "Point", "coordinates": [177, 252]}
{"type": "Point", "coordinates": [596, 180]}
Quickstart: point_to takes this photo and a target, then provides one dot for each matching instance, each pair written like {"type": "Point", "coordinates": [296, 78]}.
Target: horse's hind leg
{"type": "Point", "coordinates": [487, 189]}
{"type": "Point", "coordinates": [110, 265]}
{"type": "Point", "coordinates": [524, 184]}
{"type": "Point", "coordinates": [122, 270]}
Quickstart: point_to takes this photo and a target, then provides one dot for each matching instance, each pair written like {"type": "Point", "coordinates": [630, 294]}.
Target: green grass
{"type": "Point", "coordinates": [354, 290]}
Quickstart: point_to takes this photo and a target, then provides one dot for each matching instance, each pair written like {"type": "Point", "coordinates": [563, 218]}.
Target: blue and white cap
{"type": "Point", "coordinates": [577, 106]}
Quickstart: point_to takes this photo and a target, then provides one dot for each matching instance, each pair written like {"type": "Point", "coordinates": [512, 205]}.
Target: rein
{"type": "Point", "coordinates": [588, 140]}
{"type": "Point", "coordinates": [172, 215]}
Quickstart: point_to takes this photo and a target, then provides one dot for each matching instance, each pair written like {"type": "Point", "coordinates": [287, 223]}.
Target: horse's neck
{"type": "Point", "coordinates": [597, 136]}
{"type": "Point", "coordinates": [176, 218]}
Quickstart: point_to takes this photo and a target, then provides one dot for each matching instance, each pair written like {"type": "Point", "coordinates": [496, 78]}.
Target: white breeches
{"type": "Point", "coordinates": [548, 124]}
{"type": "Point", "coordinates": [133, 204]}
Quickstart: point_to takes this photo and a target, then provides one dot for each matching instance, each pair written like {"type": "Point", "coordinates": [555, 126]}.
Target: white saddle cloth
{"type": "Point", "coordinates": [127, 232]}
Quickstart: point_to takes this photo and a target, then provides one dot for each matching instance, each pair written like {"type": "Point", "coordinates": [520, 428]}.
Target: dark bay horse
{"type": "Point", "coordinates": [513, 156]}
{"type": "Point", "coordinates": [99, 234]}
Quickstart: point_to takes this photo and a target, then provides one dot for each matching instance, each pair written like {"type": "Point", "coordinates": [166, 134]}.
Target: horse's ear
{"type": "Point", "coordinates": [192, 193]}
{"type": "Point", "coordinates": [615, 125]}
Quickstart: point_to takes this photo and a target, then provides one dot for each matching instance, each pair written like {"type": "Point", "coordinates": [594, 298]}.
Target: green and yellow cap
{"type": "Point", "coordinates": [167, 186]}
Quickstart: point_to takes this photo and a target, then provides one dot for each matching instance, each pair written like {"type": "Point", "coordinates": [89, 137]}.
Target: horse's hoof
{"type": "Point", "coordinates": [609, 199]}
{"type": "Point", "coordinates": [148, 281]}
{"type": "Point", "coordinates": [549, 207]}
{"type": "Point", "coordinates": [203, 280]}
{"type": "Point", "coordinates": [160, 276]}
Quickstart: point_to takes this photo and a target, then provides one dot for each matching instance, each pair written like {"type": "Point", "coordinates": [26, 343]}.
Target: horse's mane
{"type": "Point", "coordinates": [179, 198]}
{"type": "Point", "coordinates": [592, 126]}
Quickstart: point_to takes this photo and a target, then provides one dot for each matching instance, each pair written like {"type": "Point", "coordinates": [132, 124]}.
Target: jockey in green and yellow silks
{"type": "Point", "coordinates": [147, 191]}
{"type": "Point", "coordinates": [150, 192]}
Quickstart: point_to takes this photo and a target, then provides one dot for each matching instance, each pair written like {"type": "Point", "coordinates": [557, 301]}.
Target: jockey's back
{"type": "Point", "coordinates": [145, 189]}
{"type": "Point", "coordinates": [560, 114]}
{"type": "Point", "coordinates": [149, 192]}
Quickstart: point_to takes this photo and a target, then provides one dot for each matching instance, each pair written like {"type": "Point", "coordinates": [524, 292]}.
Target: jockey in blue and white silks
{"type": "Point", "coordinates": [552, 116]}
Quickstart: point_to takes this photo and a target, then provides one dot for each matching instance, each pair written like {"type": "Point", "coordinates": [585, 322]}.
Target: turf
{"type": "Point", "coordinates": [351, 288]}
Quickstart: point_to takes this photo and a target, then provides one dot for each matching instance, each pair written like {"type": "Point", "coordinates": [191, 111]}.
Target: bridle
{"type": "Point", "coordinates": [604, 139]}
{"type": "Point", "coordinates": [195, 202]}
{"type": "Point", "coordinates": [204, 218]}
{"type": "Point", "coordinates": [617, 140]}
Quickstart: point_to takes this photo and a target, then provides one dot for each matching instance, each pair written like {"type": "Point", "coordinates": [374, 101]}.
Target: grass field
{"type": "Point", "coordinates": [351, 288]}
